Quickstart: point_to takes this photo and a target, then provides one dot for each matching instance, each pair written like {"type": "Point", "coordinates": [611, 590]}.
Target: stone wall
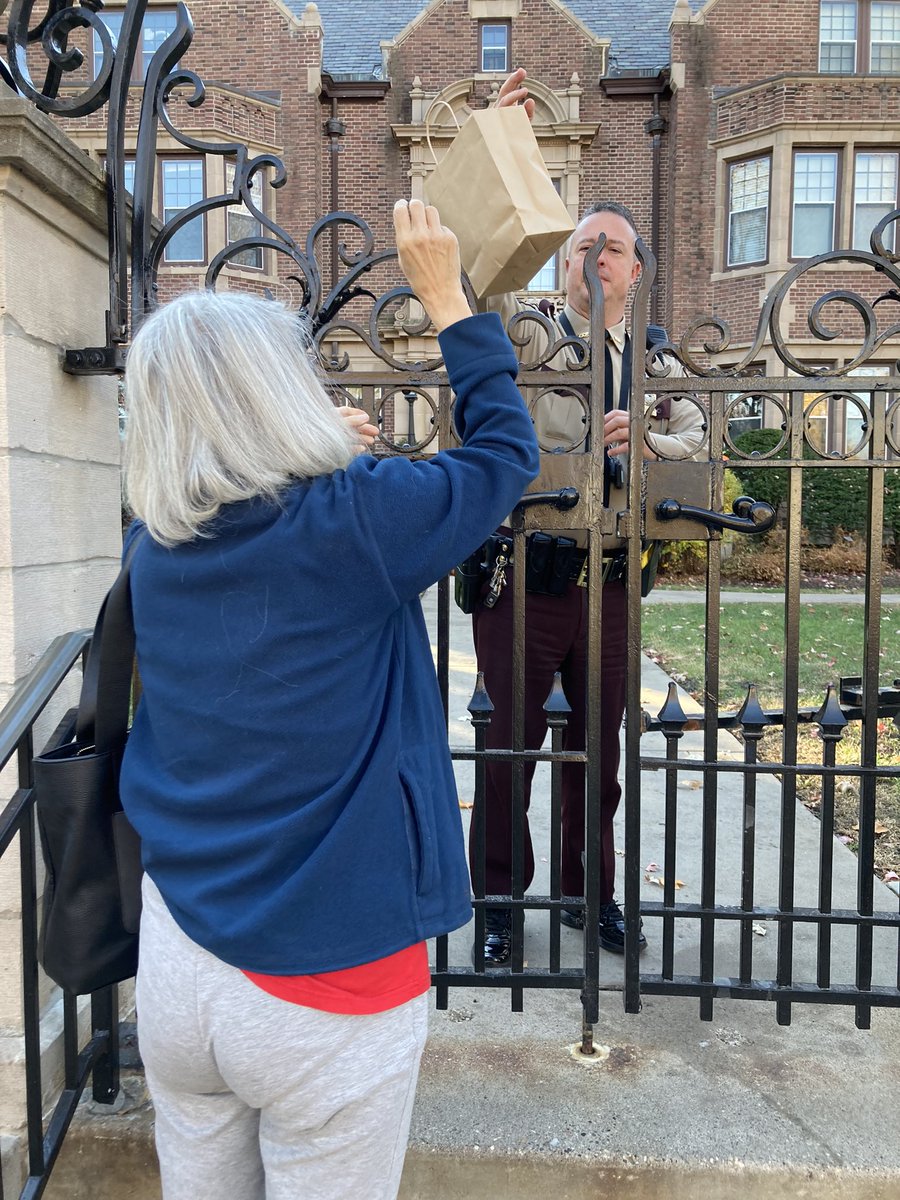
{"type": "Point", "coordinates": [60, 508]}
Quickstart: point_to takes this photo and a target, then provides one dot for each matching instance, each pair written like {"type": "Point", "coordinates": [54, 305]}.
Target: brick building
{"type": "Point", "coordinates": [745, 138]}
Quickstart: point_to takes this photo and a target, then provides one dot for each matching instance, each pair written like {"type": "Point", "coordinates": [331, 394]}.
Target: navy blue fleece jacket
{"type": "Point", "coordinates": [288, 769]}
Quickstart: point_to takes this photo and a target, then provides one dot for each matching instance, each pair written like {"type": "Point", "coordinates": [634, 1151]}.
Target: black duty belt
{"type": "Point", "coordinates": [614, 567]}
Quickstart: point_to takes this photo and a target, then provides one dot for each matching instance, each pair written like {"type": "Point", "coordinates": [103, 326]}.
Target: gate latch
{"type": "Point", "coordinates": [749, 515]}
{"type": "Point", "coordinates": [682, 501]}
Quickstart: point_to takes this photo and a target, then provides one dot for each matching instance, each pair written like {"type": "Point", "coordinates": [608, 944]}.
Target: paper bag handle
{"type": "Point", "coordinates": [438, 104]}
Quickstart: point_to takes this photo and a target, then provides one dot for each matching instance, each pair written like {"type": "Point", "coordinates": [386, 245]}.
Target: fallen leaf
{"type": "Point", "coordinates": [466, 804]}
{"type": "Point", "coordinates": [660, 881]}
{"type": "Point", "coordinates": [759, 930]}
{"type": "Point", "coordinates": [691, 784]}
{"type": "Point", "coordinates": [880, 828]}
{"type": "Point", "coordinates": [652, 867]}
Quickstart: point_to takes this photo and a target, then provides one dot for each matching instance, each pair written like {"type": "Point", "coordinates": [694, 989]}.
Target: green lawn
{"type": "Point", "coordinates": [752, 651]}
{"type": "Point", "coordinates": [752, 647]}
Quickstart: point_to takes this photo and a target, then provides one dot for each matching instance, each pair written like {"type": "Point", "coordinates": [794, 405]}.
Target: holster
{"type": "Point", "coordinates": [468, 580]}
{"type": "Point", "coordinates": [548, 564]}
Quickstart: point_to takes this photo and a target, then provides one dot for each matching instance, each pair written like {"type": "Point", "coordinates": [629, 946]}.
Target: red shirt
{"type": "Point", "coordinates": [370, 988]}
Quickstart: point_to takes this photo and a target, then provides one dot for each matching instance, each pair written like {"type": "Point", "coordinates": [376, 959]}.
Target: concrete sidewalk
{"type": "Point", "coordinates": [675, 1109]}
{"type": "Point", "coordinates": [680, 1108]}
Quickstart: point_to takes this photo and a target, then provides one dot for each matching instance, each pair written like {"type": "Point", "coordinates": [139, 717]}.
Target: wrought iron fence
{"type": "Point", "coordinates": [97, 1059]}
{"type": "Point", "coordinates": [398, 378]}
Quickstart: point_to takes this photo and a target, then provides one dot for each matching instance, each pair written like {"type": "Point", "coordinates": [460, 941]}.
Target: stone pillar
{"type": "Point", "coordinates": [60, 510]}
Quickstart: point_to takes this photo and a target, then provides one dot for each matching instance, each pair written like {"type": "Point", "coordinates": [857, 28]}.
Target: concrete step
{"type": "Point", "coordinates": [739, 1109]}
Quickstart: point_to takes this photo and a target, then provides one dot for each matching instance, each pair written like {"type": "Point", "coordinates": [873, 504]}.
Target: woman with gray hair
{"type": "Point", "coordinates": [287, 769]}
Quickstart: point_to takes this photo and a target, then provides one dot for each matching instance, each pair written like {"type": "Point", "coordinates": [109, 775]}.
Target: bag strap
{"type": "Point", "coordinates": [103, 709]}
{"type": "Point", "coordinates": [437, 104]}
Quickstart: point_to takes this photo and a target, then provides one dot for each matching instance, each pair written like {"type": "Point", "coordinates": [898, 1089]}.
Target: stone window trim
{"type": "Point", "coordinates": [494, 38]}
{"type": "Point", "coordinates": [167, 10]}
{"type": "Point", "coordinates": [732, 166]}
{"type": "Point", "coordinates": [561, 134]}
{"type": "Point", "coordinates": [837, 217]}
{"type": "Point", "coordinates": [863, 49]}
{"type": "Point", "coordinates": [782, 141]}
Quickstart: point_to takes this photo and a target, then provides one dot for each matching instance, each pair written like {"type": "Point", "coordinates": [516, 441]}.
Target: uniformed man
{"type": "Point", "coordinates": [556, 624]}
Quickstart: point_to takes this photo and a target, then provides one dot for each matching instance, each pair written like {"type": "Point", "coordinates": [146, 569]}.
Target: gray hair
{"type": "Point", "coordinates": [611, 206]}
{"type": "Point", "coordinates": [604, 206]}
{"type": "Point", "coordinates": [223, 404]}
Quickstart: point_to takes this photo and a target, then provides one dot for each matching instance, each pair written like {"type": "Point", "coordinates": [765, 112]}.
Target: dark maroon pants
{"type": "Point", "coordinates": [555, 640]}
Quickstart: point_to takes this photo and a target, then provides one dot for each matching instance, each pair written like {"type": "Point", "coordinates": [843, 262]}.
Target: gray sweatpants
{"type": "Point", "coordinates": [260, 1099]}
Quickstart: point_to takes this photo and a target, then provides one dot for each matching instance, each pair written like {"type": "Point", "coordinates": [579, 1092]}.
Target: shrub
{"type": "Point", "coordinates": [689, 557]}
{"type": "Point", "coordinates": [831, 498]}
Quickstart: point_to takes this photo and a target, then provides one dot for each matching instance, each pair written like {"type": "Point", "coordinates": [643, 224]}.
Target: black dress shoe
{"type": "Point", "coordinates": [611, 926]}
{"type": "Point", "coordinates": [612, 929]}
{"type": "Point", "coordinates": [497, 936]}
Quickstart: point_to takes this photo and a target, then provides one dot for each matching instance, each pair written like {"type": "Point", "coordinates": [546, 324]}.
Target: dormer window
{"type": "Point", "coordinates": [495, 38]}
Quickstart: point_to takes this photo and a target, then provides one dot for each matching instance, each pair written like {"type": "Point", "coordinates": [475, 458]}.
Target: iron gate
{"type": "Point", "coordinates": [409, 395]}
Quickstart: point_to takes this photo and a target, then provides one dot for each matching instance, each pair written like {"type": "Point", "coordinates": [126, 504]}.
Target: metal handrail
{"type": "Point", "coordinates": [32, 695]}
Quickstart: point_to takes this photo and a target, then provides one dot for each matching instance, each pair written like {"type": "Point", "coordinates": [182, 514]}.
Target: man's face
{"type": "Point", "coordinates": [617, 264]}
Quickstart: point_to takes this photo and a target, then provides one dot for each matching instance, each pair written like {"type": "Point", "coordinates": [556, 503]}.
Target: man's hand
{"type": "Point", "coordinates": [514, 91]}
{"type": "Point", "coordinates": [358, 419]}
{"type": "Point", "coordinates": [616, 435]}
{"type": "Point", "coordinates": [429, 258]}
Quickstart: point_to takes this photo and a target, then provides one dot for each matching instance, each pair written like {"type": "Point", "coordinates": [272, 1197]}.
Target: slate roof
{"type": "Point", "coordinates": [639, 31]}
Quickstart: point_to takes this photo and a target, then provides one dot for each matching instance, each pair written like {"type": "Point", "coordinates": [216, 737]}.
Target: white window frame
{"type": "Point", "coordinates": [857, 203]}
{"type": "Point", "coordinates": [169, 210]}
{"type": "Point", "coordinates": [241, 210]}
{"type": "Point", "coordinates": [817, 203]}
{"type": "Point", "coordinates": [485, 50]}
{"type": "Point", "coordinates": [143, 57]}
{"type": "Point", "coordinates": [894, 42]}
{"type": "Point", "coordinates": [825, 4]}
{"type": "Point", "coordinates": [733, 167]}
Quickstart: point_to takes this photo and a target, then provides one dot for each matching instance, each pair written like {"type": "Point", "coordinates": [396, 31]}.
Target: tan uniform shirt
{"type": "Point", "coordinates": [559, 418]}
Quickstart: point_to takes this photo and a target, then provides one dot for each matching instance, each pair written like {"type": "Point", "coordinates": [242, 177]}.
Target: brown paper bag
{"type": "Point", "coordinates": [493, 190]}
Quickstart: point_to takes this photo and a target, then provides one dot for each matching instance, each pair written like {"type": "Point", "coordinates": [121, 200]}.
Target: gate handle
{"type": "Point", "coordinates": [750, 516]}
{"type": "Point", "coordinates": [564, 499]}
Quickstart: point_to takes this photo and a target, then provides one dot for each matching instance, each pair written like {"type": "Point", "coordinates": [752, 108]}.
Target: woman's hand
{"type": "Point", "coordinates": [513, 91]}
{"type": "Point", "coordinates": [429, 258]}
{"type": "Point", "coordinates": [359, 420]}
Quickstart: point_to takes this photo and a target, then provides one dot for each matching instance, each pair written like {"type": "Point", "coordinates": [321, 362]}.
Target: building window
{"type": "Point", "coordinates": [157, 25]}
{"type": "Point", "coordinates": [874, 195]}
{"type": "Point", "coordinates": [853, 418]}
{"type": "Point", "coordinates": [242, 223]}
{"type": "Point", "coordinates": [748, 211]}
{"type": "Point", "coordinates": [837, 37]}
{"type": "Point", "coordinates": [182, 186]}
{"type": "Point", "coordinates": [495, 46]}
{"type": "Point", "coordinates": [547, 278]}
{"type": "Point", "coordinates": [815, 199]}
{"type": "Point", "coordinates": [859, 35]}
{"type": "Point", "coordinates": [128, 166]}
{"type": "Point", "coordinates": [885, 35]}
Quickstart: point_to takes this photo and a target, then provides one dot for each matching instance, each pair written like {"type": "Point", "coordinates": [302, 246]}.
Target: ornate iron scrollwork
{"type": "Point", "coordinates": [717, 336]}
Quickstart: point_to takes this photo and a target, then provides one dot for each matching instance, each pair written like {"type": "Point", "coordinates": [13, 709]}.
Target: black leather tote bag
{"type": "Point", "coordinates": [92, 901]}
